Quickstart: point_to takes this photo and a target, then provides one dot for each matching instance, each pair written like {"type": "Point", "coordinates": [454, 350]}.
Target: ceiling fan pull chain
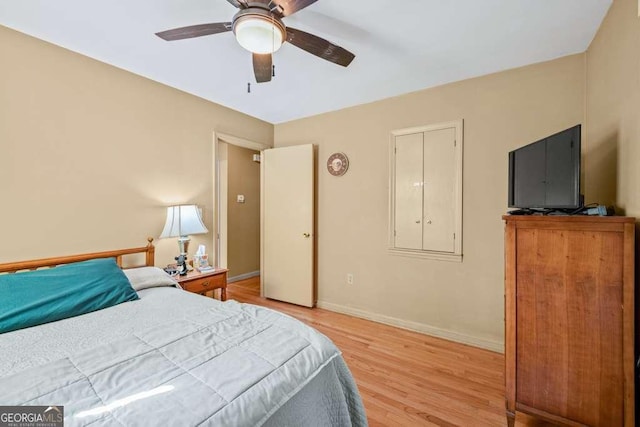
{"type": "Point", "coordinates": [273, 71]}
{"type": "Point", "coordinates": [249, 87]}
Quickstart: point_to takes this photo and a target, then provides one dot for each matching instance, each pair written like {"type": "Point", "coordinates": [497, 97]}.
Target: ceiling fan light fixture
{"type": "Point", "coordinates": [259, 34]}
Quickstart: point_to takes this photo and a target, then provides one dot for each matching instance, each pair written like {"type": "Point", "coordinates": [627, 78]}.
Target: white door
{"type": "Point", "coordinates": [288, 223]}
{"type": "Point", "coordinates": [408, 190]}
{"type": "Point", "coordinates": [439, 190]}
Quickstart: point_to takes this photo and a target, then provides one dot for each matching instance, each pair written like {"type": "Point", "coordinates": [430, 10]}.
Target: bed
{"type": "Point", "coordinates": [168, 357]}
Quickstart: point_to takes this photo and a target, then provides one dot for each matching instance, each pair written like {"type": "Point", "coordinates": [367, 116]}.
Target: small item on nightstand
{"type": "Point", "coordinates": [201, 259]}
{"type": "Point", "coordinates": [171, 270]}
{"type": "Point", "coordinates": [182, 264]}
{"type": "Point", "coordinates": [203, 263]}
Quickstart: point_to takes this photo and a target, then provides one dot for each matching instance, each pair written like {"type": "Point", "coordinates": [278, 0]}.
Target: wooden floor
{"type": "Point", "coordinates": [406, 378]}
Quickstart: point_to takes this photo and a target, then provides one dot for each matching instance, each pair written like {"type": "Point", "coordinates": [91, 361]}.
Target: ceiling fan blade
{"type": "Point", "coordinates": [195, 31]}
{"type": "Point", "coordinates": [319, 47]}
{"type": "Point", "coordinates": [289, 7]}
{"type": "Point", "coordinates": [262, 66]}
{"type": "Point", "coordinates": [236, 3]}
{"type": "Point", "coordinates": [243, 4]}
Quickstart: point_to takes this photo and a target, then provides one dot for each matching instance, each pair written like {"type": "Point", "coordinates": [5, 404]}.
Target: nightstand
{"type": "Point", "coordinates": [203, 282]}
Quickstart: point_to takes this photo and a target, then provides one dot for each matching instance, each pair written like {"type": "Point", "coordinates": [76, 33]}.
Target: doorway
{"type": "Point", "coordinates": [237, 205]}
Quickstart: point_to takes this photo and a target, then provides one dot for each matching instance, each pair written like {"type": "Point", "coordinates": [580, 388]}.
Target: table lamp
{"type": "Point", "coordinates": [182, 221]}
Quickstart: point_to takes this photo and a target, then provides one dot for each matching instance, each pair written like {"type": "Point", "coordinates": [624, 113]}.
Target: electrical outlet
{"type": "Point", "coordinates": [349, 279]}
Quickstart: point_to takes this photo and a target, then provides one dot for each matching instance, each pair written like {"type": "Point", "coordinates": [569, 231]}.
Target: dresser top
{"type": "Point", "coordinates": [568, 218]}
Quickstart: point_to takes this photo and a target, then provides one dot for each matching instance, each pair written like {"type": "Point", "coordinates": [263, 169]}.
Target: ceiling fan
{"type": "Point", "coordinates": [258, 27]}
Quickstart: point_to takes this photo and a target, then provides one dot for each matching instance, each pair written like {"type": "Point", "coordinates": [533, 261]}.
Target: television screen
{"type": "Point", "coordinates": [546, 174]}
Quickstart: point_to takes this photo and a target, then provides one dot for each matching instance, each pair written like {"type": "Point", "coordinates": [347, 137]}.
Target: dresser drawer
{"type": "Point", "coordinates": [205, 284]}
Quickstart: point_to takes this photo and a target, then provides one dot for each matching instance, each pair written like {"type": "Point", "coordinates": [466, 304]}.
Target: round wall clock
{"type": "Point", "coordinates": [337, 164]}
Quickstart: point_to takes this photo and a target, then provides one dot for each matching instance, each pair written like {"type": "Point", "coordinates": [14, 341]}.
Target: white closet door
{"type": "Point", "coordinates": [408, 191]}
{"type": "Point", "coordinates": [439, 190]}
{"type": "Point", "coordinates": [288, 223]}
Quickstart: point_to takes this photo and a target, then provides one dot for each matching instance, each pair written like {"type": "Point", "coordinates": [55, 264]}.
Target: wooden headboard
{"type": "Point", "coordinates": [149, 251]}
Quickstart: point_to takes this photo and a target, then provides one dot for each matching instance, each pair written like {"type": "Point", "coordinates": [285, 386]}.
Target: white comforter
{"type": "Point", "coordinates": [175, 358]}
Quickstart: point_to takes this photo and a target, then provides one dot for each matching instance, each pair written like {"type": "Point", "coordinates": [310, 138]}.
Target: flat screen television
{"type": "Point", "coordinates": [546, 174]}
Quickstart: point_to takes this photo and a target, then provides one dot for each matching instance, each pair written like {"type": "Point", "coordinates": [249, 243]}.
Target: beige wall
{"type": "Point", "coordinates": [91, 154]}
{"type": "Point", "coordinates": [243, 219]}
{"type": "Point", "coordinates": [613, 111]}
{"type": "Point", "coordinates": [501, 112]}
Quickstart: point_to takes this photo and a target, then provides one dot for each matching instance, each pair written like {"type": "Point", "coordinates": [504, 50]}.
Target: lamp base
{"type": "Point", "coordinates": [183, 244]}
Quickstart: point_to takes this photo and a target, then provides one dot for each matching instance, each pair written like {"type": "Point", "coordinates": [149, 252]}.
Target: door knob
{"type": "Point", "coordinates": [429, 222]}
{"type": "Point", "coordinates": [306, 235]}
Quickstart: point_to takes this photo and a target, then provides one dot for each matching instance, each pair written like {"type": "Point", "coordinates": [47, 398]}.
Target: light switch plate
{"type": "Point", "coordinates": [240, 198]}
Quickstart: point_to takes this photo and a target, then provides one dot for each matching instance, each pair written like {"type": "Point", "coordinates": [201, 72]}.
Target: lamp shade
{"type": "Point", "coordinates": [183, 220]}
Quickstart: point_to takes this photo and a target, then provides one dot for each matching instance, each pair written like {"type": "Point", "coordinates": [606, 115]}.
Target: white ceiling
{"type": "Point", "coordinates": [400, 46]}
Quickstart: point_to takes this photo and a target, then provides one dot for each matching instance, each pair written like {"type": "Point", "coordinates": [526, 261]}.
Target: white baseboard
{"type": "Point", "coordinates": [243, 276]}
{"type": "Point", "coordinates": [415, 326]}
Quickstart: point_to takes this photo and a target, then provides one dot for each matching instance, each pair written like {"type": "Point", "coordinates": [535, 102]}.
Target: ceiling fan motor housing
{"type": "Point", "coordinates": [258, 30]}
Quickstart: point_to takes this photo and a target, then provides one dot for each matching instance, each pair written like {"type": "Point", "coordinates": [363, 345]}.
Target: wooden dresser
{"type": "Point", "coordinates": [569, 319]}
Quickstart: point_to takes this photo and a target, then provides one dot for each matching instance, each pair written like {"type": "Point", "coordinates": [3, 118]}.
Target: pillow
{"type": "Point", "coordinates": [149, 277]}
{"type": "Point", "coordinates": [36, 297]}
